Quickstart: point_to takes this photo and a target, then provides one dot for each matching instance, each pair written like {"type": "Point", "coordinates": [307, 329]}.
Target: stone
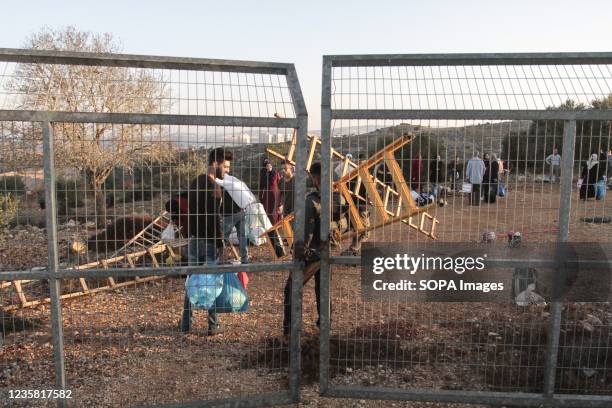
{"type": "Point", "coordinates": [594, 320]}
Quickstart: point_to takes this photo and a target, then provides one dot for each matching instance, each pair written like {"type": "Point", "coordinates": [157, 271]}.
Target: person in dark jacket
{"type": "Point", "coordinates": [268, 189]}
{"type": "Point", "coordinates": [416, 172]}
{"type": "Point", "coordinates": [312, 244]}
{"type": "Point", "coordinates": [491, 179]}
{"type": "Point", "coordinates": [454, 172]}
{"type": "Point", "coordinates": [590, 176]}
{"type": "Point", "coordinates": [178, 208]}
{"type": "Point", "coordinates": [436, 174]}
{"type": "Point", "coordinates": [205, 236]}
{"type": "Point", "coordinates": [286, 188]}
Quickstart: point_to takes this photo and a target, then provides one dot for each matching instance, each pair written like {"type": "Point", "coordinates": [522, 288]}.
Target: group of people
{"type": "Point", "coordinates": [483, 175]}
{"type": "Point", "coordinates": [594, 173]}
{"type": "Point", "coordinates": [212, 215]}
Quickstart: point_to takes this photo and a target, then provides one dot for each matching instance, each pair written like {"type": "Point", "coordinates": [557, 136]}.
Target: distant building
{"type": "Point", "coordinates": [244, 138]}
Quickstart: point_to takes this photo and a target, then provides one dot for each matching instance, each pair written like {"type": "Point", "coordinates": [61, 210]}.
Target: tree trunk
{"type": "Point", "coordinates": [100, 203]}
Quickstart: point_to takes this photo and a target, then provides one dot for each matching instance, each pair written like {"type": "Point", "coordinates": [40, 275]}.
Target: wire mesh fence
{"type": "Point", "coordinates": [537, 129]}
{"type": "Point", "coordinates": [141, 187]}
{"type": "Point", "coordinates": [113, 191]}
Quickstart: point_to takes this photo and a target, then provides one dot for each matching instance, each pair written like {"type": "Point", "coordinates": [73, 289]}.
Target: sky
{"type": "Point", "coordinates": [302, 32]}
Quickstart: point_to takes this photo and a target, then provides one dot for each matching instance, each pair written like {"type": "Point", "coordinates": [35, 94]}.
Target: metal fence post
{"type": "Point", "coordinates": [297, 282]}
{"type": "Point", "coordinates": [54, 281]}
{"type": "Point", "coordinates": [325, 223]}
{"type": "Point", "coordinates": [211, 117]}
{"type": "Point", "coordinates": [567, 173]}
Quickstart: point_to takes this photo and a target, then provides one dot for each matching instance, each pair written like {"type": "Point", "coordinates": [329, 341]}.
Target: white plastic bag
{"type": "Point", "coordinates": [238, 190]}
{"type": "Point", "coordinates": [579, 184]}
{"type": "Point", "coordinates": [466, 188]}
{"type": "Point", "coordinates": [233, 237]}
{"type": "Point", "coordinates": [257, 222]}
{"type": "Point", "coordinates": [168, 234]}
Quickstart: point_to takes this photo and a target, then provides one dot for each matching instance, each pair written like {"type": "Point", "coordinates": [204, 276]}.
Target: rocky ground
{"type": "Point", "coordinates": [123, 348]}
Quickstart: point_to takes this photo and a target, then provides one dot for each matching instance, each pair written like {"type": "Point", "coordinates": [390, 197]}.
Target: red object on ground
{"type": "Point", "coordinates": [244, 279]}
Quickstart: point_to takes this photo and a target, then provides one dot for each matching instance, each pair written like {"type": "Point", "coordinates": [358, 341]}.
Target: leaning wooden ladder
{"type": "Point", "coordinates": [146, 245]}
{"type": "Point", "coordinates": [385, 213]}
{"type": "Point", "coordinates": [405, 209]}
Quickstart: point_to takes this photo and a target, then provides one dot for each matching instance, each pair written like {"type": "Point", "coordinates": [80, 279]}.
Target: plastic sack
{"type": "Point", "coordinates": [579, 183]}
{"type": "Point", "coordinates": [242, 276]}
{"type": "Point", "coordinates": [203, 290]}
{"type": "Point", "coordinates": [233, 237]}
{"type": "Point", "coordinates": [233, 296]}
{"type": "Point", "coordinates": [244, 279]}
{"type": "Point", "coordinates": [257, 222]}
{"type": "Point", "coordinates": [168, 234]}
{"type": "Point", "coordinates": [501, 190]}
{"type": "Point", "coordinates": [466, 188]}
{"type": "Point", "coordinates": [600, 190]}
{"type": "Point", "coordinates": [238, 190]}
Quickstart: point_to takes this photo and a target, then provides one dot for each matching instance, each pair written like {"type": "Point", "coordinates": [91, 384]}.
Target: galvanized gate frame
{"type": "Point", "coordinates": [548, 397]}
{"type": "Point", "coordinates": [55, 273]}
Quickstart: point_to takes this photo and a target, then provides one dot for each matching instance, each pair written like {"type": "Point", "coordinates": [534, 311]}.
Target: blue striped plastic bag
{"type": "Point", "coordinates": [203, 290]}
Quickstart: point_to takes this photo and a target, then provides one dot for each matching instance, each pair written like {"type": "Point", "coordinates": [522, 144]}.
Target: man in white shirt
{"type": "Point", "coordinates": [554, 161]}
{"type": "Point", "coordinates": [474, 173]}
{"type": "Point", "coordinates": [340, 167]}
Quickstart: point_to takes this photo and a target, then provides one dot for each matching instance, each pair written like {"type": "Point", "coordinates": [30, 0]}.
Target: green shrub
{"type": "Point", "coordinates": [137, 194]}
{"type": "Point", "coordinates": [165, 182]}
{"type": "Point", "coordinates": [70, 194]}
{"type": "Point", "coordinates": [426, 145]}
{"type": "Point", "coordinates": [117, 179]}
{"type": "Point", "coordinates": [8, 209]}
{"type": "Point", "coordinates": [529, 149]}
{"type": "Point", "coordinates": [12, 184]}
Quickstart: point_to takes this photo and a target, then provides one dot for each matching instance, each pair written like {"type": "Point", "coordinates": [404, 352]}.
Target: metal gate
{"type": "Point", "coordinates": [519, 107]}
{"type": "Point", "coordinates": [73, 113]}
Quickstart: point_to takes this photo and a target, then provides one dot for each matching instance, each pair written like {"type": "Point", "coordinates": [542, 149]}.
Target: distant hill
{"type": "Point", "coordinates": [462, 141]}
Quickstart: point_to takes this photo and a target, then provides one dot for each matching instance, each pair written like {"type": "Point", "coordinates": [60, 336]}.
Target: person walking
{"type": "Point", "coordinates": [205, 237]}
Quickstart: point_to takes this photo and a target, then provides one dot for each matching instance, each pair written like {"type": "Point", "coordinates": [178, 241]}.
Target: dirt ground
{"type": "Point", "coordinates": [123, 348]}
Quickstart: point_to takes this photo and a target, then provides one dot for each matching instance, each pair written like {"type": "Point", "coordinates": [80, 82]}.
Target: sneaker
{"type": "Point", "coordinates": [214, 330]}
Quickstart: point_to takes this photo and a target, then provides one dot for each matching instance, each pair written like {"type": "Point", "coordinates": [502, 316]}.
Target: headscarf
{"type": "Point", "coordinates": [592, 161]}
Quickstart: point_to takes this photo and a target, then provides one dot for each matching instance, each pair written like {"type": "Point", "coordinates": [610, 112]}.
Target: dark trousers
{"type": "Point", "coordinates": [287, 302]}
{"type": "Point", "coordinates": [213, 319]}
{"type": "Point", "coordinates": [475, 194]}
{"type": "Point", "coordinates": [587, 191]}
{"type": "Point", "coordinates": [489, 191]}
{"type": "Point", "coordinates": [200, 251]}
